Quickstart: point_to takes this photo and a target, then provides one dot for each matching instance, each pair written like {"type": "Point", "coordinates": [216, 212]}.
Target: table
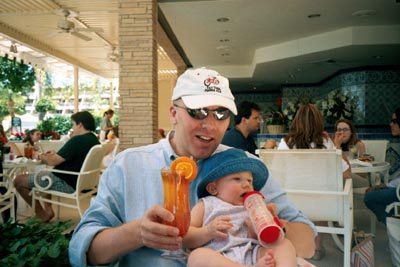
{"type": "Point", "coordinates": [12, 168]}
{"type": "Point", "coordinates": [377, 167]}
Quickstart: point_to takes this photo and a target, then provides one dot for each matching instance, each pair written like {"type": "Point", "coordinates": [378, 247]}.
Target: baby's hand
{"type": "Point", "coordinates": [219, 226]}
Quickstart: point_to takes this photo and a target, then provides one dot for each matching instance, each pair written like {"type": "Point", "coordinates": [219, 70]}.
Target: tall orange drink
{"type": "Point", "coordinates": [176, 199]}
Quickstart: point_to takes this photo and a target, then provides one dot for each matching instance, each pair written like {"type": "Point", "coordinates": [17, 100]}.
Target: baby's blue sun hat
{"type": "Point", "coordinates": [227, 162]}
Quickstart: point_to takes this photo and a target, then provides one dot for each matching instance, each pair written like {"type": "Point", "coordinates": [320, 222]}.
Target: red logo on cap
{"type": "Point", "coordinates": [211, 84]}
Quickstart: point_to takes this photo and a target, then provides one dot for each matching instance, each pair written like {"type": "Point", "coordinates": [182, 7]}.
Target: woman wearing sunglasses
{"type": "Point", "coordinates": [378, 197]}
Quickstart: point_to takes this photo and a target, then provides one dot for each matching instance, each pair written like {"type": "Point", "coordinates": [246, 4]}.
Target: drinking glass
{"type": "Point", "coordinates": [354, 151]}
{"type": "Point", "coordinates": [176, 200]}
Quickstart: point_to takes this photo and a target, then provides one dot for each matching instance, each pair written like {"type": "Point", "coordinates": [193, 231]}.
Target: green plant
{"type": "Point", "coordinates": [34, 243]}
{"type": "Point", "coordinates": [338, 105]}
{"type": "Point", "coordinates": [47, 127]}
{"type": "Point", "coordinates": [275, 118]}
{"type": "Point", "coordinates": [62, 124]}
{"type": "Point", "coordinates": [44, 105]}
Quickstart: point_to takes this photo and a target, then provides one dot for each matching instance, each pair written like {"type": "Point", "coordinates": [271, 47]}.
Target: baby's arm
{"type": "Point", "coordinates": [199, 234]}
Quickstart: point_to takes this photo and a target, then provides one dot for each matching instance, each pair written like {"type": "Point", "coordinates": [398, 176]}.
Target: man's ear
{"type": "Point", "coordinates": [172, 114]}
{"type": "Point", "coordinates": [212, 188]}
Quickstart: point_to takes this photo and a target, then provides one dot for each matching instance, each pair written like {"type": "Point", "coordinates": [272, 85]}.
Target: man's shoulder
{"type": "Point", "coordinates": [232, 133]}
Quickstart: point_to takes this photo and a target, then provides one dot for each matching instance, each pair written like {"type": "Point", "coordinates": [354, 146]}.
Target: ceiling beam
{"type": "Point", "coordinates": [45, 49]}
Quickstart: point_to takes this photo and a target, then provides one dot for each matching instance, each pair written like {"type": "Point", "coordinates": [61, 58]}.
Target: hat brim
{"type": "Point", "coordinates": [202, 101]}
{"type": "Point", "coordinates": [257, 167]}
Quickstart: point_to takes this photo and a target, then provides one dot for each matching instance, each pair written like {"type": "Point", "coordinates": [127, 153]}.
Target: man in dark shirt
{"type": "Point", "coordinates": [70, 157]}
{"type": "Point", "coordinates": [247, 122]}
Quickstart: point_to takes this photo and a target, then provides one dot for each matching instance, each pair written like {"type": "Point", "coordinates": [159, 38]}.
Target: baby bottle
{"type": "Point", "coordinates": [266, 226]}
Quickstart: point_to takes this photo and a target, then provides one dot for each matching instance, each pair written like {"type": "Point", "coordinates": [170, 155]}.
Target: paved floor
{"type": "Point", "coordinates": [333, 258]}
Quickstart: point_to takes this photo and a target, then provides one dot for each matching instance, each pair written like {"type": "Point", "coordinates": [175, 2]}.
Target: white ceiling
{"type": "Point", "coordinates": [267, 43]}
{"type": "Point", "coordinates": [264, 44]}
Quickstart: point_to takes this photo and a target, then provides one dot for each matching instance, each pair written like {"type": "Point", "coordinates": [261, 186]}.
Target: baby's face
{"type": "Point", "coordinates": [231, 188]}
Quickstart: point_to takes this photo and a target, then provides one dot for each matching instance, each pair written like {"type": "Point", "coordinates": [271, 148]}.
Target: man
{"type": "Point", "coordinates": [124, 221]}
{"type": "Point", "coordinates": [70, 157]}
{"type": "Point", "coordinates": [247, 122]}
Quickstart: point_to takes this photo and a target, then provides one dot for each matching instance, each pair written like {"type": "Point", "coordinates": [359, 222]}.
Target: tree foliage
{"type": "Point", "coordinates": [17, 78]}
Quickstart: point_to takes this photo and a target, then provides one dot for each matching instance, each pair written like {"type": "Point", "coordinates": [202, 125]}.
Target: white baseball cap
{"type": "Point", "coordinates": [200, 88]}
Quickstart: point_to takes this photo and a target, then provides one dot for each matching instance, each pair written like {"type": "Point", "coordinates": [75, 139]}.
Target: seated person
{"type": "Point", "coordinates": [247, 122]}
{"type": "Point", "coordinates": [69, 158]}
{"type": "Point", "coordinates": [352, 147]}
{"type": "Point", "coordinates": [31, 138]}
{"type": "Point", "coordinates": [307, 132]}
{"type": "Point", "coordinates": [350, 139]}
{"type": "Point", "coordinates": [113, 141]}
{"type": "Point", "coordinates": [378, 197]}
{"type": "Point", "coordinates": [220, 231]}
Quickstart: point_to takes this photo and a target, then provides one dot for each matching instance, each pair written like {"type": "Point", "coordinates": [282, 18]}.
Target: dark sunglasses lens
{"type": "Point", "coordinates": [200, 113]}
{"type": "Point", "coordinates": [221, 114]}
{"type": "Point", "coordinates": [197, 114]}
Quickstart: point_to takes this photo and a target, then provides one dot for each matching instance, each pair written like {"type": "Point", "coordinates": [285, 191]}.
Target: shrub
{"type": "Point", "coordinates": [44, 105]}
{"type": "Point", "coordinates": [34, 243]}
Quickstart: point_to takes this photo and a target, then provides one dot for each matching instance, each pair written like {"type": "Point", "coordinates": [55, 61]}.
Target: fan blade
{"type": "Point", "coordinates": [92, 29]}
{"type": "Point", "coordinates": [79, 35]}
{"type": "Point", "coordinates": [53, 34]}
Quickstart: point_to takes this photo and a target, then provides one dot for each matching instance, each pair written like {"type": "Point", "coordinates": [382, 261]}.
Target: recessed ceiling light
{"type": "Point", "coordinates": [364, 13]}
{"type": "Point", "coordinates": [222, 19]}
{"type": "Point", "coordinates": [314, 16]}
{"type": "Point", "coordinates": [224, 47]}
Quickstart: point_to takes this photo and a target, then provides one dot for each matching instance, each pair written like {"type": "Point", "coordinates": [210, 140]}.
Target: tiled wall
{"type": "Point", "coordinates": [378, 93]}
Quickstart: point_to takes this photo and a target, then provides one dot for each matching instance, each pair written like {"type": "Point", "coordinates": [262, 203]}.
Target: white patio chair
{"type": "Point", "coordinates": [7, 195]}
{"type": "Point", "coordinates": [88, 179]}
{"type": "Point", "coordinates": [312, 179]}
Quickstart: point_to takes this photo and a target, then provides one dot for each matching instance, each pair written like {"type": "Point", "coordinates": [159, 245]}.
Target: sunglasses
{"type": "Point", "coordinates": [342, 129]}
{"type": "Point", "coordinates": [394, 121]}
{"type": "Point", "coordinates": [219, 114]}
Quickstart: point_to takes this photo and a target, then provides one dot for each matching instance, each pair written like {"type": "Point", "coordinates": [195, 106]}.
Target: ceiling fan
{"type": "Point", "coordinates": [113, 56]}
{"type": "Point", "coordinates": [67, 26]}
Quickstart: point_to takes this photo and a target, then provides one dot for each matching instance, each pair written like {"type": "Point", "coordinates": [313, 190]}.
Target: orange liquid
{"type": "Point", "coordinates": [176, 200]}
{"type": "Point", "coordinates": [28, 152]}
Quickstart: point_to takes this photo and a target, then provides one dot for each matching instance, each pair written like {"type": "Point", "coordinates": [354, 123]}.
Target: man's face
{"type": "Point", "coordinates": [253, 122]}
{"type": "Point", "coordinates": [75, 128]}
{"type": "Point", "coordinates": [394, 126]}
{"type": "Point", "coordinates": [193, 137]}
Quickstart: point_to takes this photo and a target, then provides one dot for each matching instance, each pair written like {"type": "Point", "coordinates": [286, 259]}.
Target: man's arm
{"type": "Point", "coordinates": [113, 243]}
{"type": "Point", "coordinates": [51, 158]}
{"type": "Point", "coordinates": [302, 238]}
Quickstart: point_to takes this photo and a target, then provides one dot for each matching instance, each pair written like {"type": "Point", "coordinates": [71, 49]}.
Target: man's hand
{"type": "Point", "coordinates": [155, 234]}
{"type": "Point", "coordinates": [270, 144]}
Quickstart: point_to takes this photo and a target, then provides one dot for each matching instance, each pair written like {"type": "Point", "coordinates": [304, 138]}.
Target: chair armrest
{"type": "Point", "coordinates": [348, 187]}
{"type": "Point", "coordinates": [50, 181]}
{"type": "Point", "coordinates": [6, 183]}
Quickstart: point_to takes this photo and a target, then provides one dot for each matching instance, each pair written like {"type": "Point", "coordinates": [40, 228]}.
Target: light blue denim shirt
{"type": "Point", "coordinates": [131, 185]}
